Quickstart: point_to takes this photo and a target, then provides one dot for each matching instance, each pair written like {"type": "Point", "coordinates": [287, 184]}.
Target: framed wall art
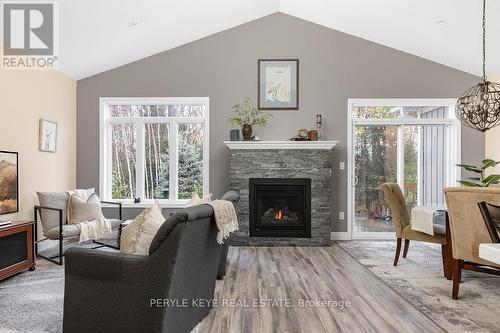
{"type": "Point", "coordinates": [48, 136]}
{"type": "Point", "coordinates": [9, 182]}
{"type": "Point", "coordinates": [278, 81]}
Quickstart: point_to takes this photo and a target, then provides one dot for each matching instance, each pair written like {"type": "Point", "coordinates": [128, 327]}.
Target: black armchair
{"type": "Point", "coordinates": [62, 230]}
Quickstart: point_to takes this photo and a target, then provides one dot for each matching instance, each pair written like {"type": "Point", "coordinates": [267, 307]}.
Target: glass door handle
{"type": "Point", "coordinates": [356, 180]}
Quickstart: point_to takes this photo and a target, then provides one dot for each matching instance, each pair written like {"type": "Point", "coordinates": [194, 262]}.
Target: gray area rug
{"type": "Point", "coordinates": [33, 301]}
{"type": "Point", "coordinates": [419, 279]}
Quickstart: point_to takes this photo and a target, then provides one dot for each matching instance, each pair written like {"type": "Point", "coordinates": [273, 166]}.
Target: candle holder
{"type": "Point", "coordinates": [319, 124]}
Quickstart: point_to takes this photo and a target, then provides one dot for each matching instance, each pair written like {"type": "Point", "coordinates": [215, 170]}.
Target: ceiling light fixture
{"type": "Point", "coordinates": [133, 23]}
{"type": "Point", "coordinates": [441, 22]}
{"type": "Point", "coordinates": [479, 107]}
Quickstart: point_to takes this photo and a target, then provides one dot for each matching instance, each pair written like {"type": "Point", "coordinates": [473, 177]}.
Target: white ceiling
{"type": "Point", "coordinates": [96, 35]}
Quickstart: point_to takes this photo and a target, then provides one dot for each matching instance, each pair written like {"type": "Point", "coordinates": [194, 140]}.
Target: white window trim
{"type": "Point", "coordinates": [105, 137]}
{"type": "Point", "coordinates": [453, 156]}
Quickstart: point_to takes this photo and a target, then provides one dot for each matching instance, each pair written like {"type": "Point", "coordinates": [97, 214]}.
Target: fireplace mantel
{"type": "Point", "coordinates": [320, 145]}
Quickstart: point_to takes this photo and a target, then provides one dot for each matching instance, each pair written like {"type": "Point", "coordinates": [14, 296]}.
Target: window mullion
{"type": "Point", "coordinates": [108, 180]}
{"type": "Point", "coordinates": [401, 158]}
{"type": "Point", "coordinates": [139, 168]}
{"type": "Point", "coordinates": [174, 161]}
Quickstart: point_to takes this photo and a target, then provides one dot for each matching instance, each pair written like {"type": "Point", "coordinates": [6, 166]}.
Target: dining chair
{"type": "Point", "coordinates": [401, 218]}
{"type": "Point", "coordinates": [491, 217]}
{"type": "Point", "coordinates": [468, 230]}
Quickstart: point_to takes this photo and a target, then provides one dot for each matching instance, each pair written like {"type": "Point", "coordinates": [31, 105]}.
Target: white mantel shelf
{"type": "Point", "coordinates": [320, 145]}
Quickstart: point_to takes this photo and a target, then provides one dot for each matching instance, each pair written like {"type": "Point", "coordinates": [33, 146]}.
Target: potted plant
{"type": "Point", "coordinates": [480, 181]}
{"type": "Point", "coordinates": [247, 115]}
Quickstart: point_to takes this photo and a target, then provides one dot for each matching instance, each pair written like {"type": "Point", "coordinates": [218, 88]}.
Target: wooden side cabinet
{"type": "Point", "coordinates": [16, 248]}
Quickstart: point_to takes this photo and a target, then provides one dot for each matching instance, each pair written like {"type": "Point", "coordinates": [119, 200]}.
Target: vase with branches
{"type": "Point", "coordinates": [481, 180]}
{"type": "Point", "coordinates": [247, 115]}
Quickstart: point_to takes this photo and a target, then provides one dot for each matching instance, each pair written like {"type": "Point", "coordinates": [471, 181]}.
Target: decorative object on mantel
{"type": "Point", "coordinates": [319, 124]}
{"type": "Point", "coordinates": [247, 115]}
{"type": "Point", "coordinates": [312, 135]}
{"type": "Point", "coordinates": [479, 107]}
{"type": "Point", "coordinates": [305, 135]}
{"type": "Point", "coordinates": [234, 135]}
{"type": "Point", "coordinates": [9, 183]}
{"type": "Point", "coordinates": [48, 136]}
{"type": "Point", "coordinates": [278, 81]}
{"type": "Point", "coordinates": [480, 170]}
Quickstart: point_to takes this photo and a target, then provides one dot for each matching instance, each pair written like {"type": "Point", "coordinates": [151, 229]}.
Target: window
{"type": "Point", "coordinates": [154, 149]}
{"type": "Point", "coordinates": [414, 143]}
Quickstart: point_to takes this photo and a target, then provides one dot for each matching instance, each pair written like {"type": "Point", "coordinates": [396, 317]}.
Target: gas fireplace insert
{"type": "Point", "coordinates": [280, 207]}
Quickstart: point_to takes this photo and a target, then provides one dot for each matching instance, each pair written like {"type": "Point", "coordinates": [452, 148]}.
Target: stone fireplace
{"type": "Point", "coordinates": [285, 192]}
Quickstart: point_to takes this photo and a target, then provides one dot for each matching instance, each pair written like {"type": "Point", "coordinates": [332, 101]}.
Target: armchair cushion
{"type": "Point", "coordinates": [49, 218]}
{"type": "Point", "coordinates": [409, 233]}
{"type": "Point", "coordinates": [72, 230]}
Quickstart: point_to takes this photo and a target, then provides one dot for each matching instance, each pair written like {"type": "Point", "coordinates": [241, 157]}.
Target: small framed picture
{"type": "Point", "coordinates": [278, 84]}
{"type": "Point", "coordinates": [48, 136]}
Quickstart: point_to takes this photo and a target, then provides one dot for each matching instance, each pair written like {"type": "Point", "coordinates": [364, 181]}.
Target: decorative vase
{"type": "Point", "coordinates": [247, 132]}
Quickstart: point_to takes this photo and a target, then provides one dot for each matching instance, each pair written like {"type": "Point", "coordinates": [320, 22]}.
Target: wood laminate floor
{"type": "Point", "coordinates": [281, 279]}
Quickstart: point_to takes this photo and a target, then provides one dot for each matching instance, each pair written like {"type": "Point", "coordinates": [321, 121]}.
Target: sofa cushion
{"type": "Point", "coordinates": [136, 237]}
{"type": "Point", "coordinates": [81, 210]}
{"type": "Point", "coordinates": [50, 218]}
{"type": "Point", "coordinates": [72, 230]}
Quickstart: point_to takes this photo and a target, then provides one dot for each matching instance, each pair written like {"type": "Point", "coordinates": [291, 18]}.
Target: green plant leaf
{"type": "Point", "coordinates": [491, 179]}
{"type": "Point", "coordinates": [474, 169]}
{"type": "Point", "coordinates": [471, 168]}
{"type": "Point", "coordinates": [470, 183]}
{"type": "Point", "coordinates": [487, 163]}
{"type": "Point", "coordinates": [465, 166]}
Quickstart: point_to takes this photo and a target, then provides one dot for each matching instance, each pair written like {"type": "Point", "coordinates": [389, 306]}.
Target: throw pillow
{"type": "Point", "coordinates": [196, 200]}
{"type": "Point", "coordinates": [136, 237]}
{"type": "Point", "coordinates": [80, 210]}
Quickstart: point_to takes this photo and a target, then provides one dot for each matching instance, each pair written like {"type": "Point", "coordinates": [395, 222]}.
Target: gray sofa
{"type": "Point", "coordinates": [114, 292]}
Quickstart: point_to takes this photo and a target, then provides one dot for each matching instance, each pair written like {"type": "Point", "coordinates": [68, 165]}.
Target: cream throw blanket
{"type": "Point", "coordinates": [225, 218]}
{"type": "Point", "coordinates": [224, 213]}
{"type": "Point", "coordinates": [422, 218]}
{"type": "Point", "coordinates": [80, 207]}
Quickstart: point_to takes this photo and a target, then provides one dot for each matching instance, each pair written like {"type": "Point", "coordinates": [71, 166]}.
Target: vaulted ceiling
{"type": "Point", "coordinates": [100, 35]}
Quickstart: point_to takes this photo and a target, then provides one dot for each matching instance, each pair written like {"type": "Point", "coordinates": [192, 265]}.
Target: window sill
{"type": "Point", "coordinates": [180, 204]}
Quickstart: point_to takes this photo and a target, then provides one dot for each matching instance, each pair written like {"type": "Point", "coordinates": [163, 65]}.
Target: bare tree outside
{"type": "Point", "coordinates": [156, 150]}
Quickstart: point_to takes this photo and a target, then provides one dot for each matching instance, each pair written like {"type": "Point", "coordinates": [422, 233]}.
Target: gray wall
{"type": "Point", "coordinates": [333, 67]}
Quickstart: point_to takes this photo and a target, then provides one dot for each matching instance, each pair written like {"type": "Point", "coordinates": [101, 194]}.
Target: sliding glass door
{"type": "Point", "coordinates": [415, 146]}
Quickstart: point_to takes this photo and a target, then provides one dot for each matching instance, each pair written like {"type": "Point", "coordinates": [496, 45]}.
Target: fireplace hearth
{"type": "Point", "coordinates": [280, 207]}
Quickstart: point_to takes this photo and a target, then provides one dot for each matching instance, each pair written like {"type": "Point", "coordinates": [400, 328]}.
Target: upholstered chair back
{"type": "Point", "coordinates": [396, 201]}
{"type": "Point", "coordinates": [50, 218]}
{"type": "Point", "coordinates": [467, 226]}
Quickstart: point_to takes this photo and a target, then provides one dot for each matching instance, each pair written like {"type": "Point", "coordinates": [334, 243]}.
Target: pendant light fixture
{"type": "Point", "coordinates": [479, 107]}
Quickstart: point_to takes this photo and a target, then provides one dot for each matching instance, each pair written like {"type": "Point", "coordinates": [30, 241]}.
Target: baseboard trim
{"type": "Point", "coordinates": [340, 236]}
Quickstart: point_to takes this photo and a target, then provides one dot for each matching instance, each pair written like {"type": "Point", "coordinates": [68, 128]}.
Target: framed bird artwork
{"type": "Point", "coordinates": [278, 81]}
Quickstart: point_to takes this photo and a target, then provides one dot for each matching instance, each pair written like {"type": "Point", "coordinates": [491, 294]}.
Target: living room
{"type": "Point", "coordinates": [250, 166]}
